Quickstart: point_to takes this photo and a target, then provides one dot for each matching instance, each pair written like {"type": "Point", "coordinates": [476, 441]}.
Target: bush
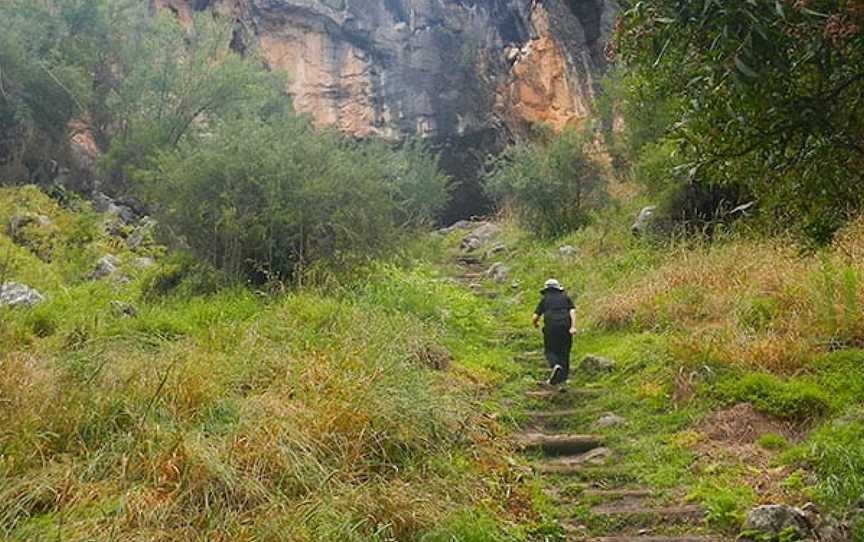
{"type": "Point", "coordinates": [44, 82]}
{"type": "Point", "coordinates": [554, 183]}
{"type": "Point", "coordinates": [269, 198]}
{"type": "Point", "coordinates": [793, 400]}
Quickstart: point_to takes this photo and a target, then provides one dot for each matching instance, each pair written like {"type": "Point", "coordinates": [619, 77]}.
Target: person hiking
{"type": "Point", "coordinates": [559, 325]}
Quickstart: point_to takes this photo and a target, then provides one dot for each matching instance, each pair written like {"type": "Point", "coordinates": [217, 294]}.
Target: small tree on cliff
{"type": "Point", "coordinates": [552, 182]}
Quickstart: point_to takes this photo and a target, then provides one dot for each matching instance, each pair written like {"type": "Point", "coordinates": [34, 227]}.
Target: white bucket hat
{"type": "Point", "coordinates": [553, 284]}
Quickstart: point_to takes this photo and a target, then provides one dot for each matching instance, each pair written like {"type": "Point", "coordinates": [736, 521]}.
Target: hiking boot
{"type": "Point", "coordinates": [555, 376]}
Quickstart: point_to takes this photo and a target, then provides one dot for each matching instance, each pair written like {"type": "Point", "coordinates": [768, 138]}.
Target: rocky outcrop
{"type": "Point", "coordinates": [466, 74]}
{"type": "Point", "coordinates": [421, 67]}
{"type": "Point", "coordinates": [13, 294]}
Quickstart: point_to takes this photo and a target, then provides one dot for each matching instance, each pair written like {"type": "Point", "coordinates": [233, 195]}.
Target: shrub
{"type": "Point", "coordinates": [554, 182]}
{"type": "Point", "coordinates": [268, 198]}
{"type": "Point", "coordinates": [794, 400]}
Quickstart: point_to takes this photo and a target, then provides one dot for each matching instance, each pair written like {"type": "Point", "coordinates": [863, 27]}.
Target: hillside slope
{"type": "Point", "coordinates": [157, 403]}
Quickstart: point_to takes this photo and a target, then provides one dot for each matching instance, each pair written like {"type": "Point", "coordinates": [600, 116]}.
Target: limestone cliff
{"type": "Point", "coordinates": [469, 74]}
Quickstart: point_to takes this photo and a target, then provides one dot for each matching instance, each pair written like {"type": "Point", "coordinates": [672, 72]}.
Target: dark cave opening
{"type": "Point", "coordinates": [465, 159]}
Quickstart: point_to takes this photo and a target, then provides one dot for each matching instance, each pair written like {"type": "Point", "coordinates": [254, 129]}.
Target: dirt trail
{"type": "Point", "coordinates": [577, 471]}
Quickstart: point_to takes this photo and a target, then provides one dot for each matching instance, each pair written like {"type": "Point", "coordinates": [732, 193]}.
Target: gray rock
{"type": "Point", "coordinates": [497, 249]}
{"type": "Point", "coordinates": [772, 519]}
{"type": "Point", "coordinates": [643, 221]}
{"type": "Point", "coordinates": [14, 294]}
{"type": "Point", "coordinates": [597, 456]}
{"type": "Point", "coordinates": [597, 364]}
{"type": "Point", "coordinates": [23, 220]}
{"type": "Point", "coordinates": [105, 204]}
{"type": "Point", "coordinates": [609, 420]}
{"type": "Point", "coordinates": [480, 236]}
{"type": "Point", "coordinates": [825, 527]}
{"type": "Point", "coordinates": [144, 262]}
{"type": "Point", "coordinates": [456, 226]}
{"type": "Point", "coordinates": [105, 267]}
{"type": "Point", "coordinates": [568, 251]}
{"type": "Point", "coordinates": [498, 272]}
{"type": "Point", "coordinates": [137, 238]}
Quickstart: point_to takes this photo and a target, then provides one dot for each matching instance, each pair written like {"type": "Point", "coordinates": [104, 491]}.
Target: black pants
{"type": "Point", "coordinates": [557, 343]}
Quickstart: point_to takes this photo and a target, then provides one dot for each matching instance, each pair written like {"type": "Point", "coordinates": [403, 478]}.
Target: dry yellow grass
{"type": "Point", "coordinates": [759, 304]}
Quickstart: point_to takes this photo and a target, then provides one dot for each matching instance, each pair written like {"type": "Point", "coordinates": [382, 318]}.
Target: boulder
{"type": "Point", "coordinates": [568, 251]}
{"type": "Point", "coordinates": [105, 204]}
{"type": "Point", "coordinates": [106, 266]}
{"type": "Point", "coordinates": [143, 262]}
{"type": "Point", "coordinates": [480, 236]}
{"type": "Point", "coordinates": [825, 527]}
{"type": "Point", "coordinates": [609, 420]}
{"type": "Point", "coordinates": [137, 238]}
{"type": "Point", "coordinates": [498, 272]}
{"type": "Point", "coordinates": [643, 221]}
{"type": "Point", "coordinates": [23, 220]}
{"type": "Point", "coordinates": [14, 294]}
{"type": "Point", "coordinates": [768, 521]}
{"type": "Point", "coordinates": [597, 364]}
{"type": "Point", "coordinates": [456, 226]}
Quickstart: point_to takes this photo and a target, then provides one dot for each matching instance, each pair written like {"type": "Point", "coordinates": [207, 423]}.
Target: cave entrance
{"type": "Point", "coordinates": [465, 159]}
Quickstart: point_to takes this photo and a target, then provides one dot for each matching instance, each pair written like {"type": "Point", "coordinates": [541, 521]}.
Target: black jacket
{"type": "Point", "coordinates": [555, 307]}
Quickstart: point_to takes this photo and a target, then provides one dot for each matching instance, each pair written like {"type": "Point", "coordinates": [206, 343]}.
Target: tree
{"type": "Point", "coordinates": [553, 181]}
{"type": "Point", "coordinates": [770, 97]}
{"type": "Point", "coordinates": [44, 80]}
{"type": "Point", "coordinates": [177, 82]}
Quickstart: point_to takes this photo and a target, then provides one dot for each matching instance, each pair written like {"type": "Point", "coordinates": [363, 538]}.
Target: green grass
{"type": "Point", "coordinates": [314, 415]}
{"type": "Point", "coordinates": [375, 406]}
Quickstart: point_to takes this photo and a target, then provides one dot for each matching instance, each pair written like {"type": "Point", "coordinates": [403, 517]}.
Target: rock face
{"type": "Point", "coordinates": [466, 74]}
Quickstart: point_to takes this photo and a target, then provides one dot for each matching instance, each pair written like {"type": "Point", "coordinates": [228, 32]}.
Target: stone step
{"type": "Point", "coordinates": [564, 392]}
{"type": "Point", "coordinates": [469, 260]}
{"type": "Point", "coordinates": [612, 494]}
{"type": "Point", "coordinates": [558, 445]}
{"type": "Point", "coordinates": [650, 515]}
{"type": "Point", "coordinates": [570, 463]}
{"type": "Point", "coordinates": [650, 538]}
{"type": "Point", "coordinates": [553, 415]}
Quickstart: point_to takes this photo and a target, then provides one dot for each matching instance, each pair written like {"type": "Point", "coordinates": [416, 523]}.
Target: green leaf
{"type": "Point", "coordinates": [745, 69]}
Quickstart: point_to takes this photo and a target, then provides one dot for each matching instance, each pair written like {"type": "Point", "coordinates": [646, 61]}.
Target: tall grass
{"type": "Point", "coordinates": [751, 303]}
{"type": "Point", "coordinates": [310, 416]}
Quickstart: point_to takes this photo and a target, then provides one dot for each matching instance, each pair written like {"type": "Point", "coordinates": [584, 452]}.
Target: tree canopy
{"type": "Point", "coordinates": [769, 95]}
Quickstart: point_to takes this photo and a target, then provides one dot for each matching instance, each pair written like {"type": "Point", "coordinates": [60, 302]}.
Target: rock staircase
{"type": "Point", "coordinates": [560, 456]}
